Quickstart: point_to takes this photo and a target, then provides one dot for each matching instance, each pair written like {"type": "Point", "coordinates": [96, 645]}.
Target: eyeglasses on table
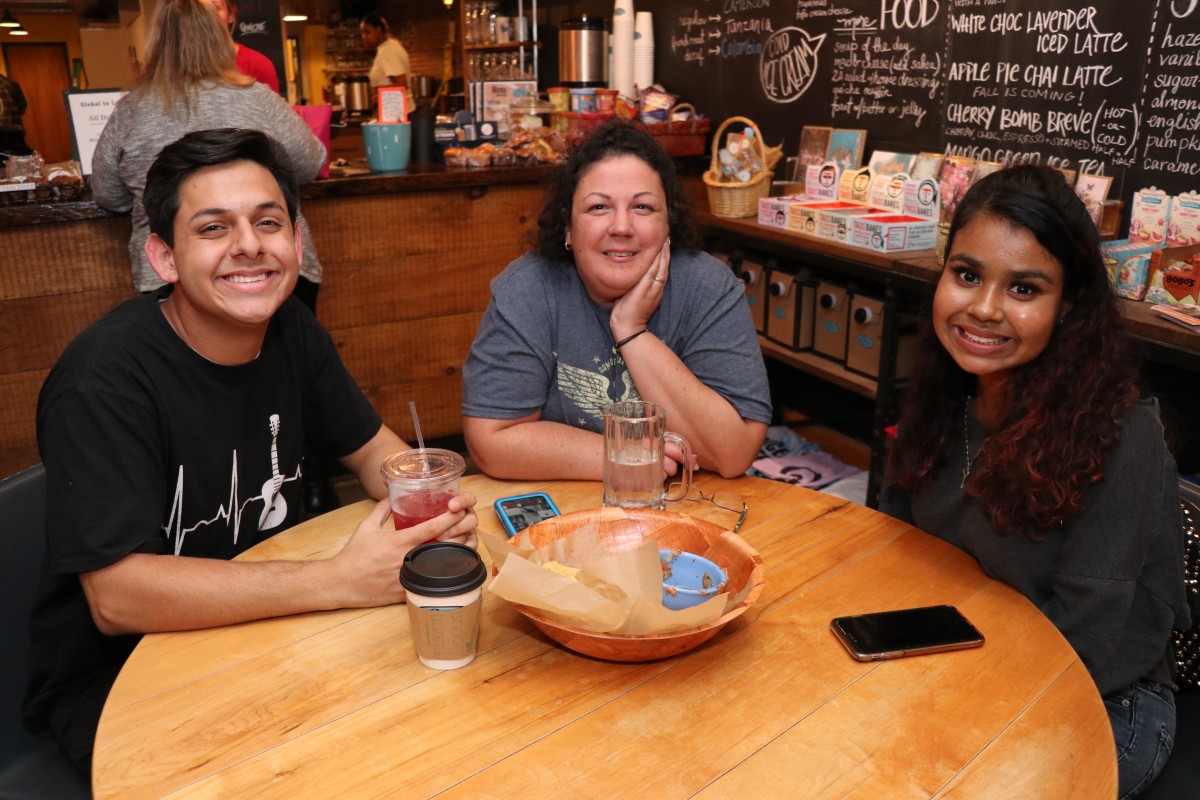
{"type": "Point", "coordinates": [727, 501]}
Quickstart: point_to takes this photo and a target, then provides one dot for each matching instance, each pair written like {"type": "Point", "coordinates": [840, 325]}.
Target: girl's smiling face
{"type": "Point", "coordinates": [998, 299]}
{"type": "Point", "coordinates": [618, 225]}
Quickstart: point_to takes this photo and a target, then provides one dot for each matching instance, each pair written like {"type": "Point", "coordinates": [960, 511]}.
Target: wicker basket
{"type": "Point", "coordinates": [737, 200]}
{"type": "Point", "coordinates": [683, 137]}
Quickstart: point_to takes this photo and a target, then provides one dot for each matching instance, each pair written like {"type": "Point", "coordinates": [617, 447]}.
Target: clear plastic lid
{"type": "Point", "coordinates": [423, 467]}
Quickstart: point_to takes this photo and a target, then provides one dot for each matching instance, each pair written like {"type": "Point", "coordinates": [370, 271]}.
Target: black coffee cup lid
{"type": "Point", "coordinates": [442, 569]}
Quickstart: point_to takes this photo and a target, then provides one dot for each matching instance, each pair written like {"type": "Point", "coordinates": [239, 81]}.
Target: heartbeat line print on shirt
{"type": "Point", "coordinates": [233, 509]}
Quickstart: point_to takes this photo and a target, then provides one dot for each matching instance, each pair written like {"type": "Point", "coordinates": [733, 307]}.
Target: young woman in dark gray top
{"type": "Point", "coordinates": [1025, 441]}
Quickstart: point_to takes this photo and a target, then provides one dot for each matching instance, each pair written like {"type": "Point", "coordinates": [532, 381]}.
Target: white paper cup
{"type": "Point", "coordinates": [443, 584]}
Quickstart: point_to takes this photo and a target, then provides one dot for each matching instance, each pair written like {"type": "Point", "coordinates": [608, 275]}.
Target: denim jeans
{"type": "Point", "coordinates": [1143, 722]}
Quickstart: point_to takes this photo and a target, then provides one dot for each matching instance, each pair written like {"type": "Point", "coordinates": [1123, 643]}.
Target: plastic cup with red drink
{"type": "Point", "coordinates": [421, 483]}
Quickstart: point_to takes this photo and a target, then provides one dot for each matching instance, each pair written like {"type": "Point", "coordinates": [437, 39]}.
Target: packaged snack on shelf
{"type": "Point", "coordinates": [835, 224]}
{"type": "Point", "coordinates": [1129, 266]}
{"type": "Point", "coordinates": [1148, 216]}
{"type": "Point", "coordinates": [773, 211]}
{"type": "Point", "coordinates": [855, 185]}
{"type": "Point", "coordinates": [887, 190]}
{"type": "Point", "coordinates": [802, 217]}
{"type": "Point", "coordinates": [655, 104]}
{"type": "Point", "coordinates": [1183, 227]}
{"type": "Point", "coordinates": [890, 233]}
{"type": "Point", "coordinates": [821, 181]}
{"type": "Point", "coordinates": [1175, 276]}
{"type": "Point", "coordinates": [24, 168]}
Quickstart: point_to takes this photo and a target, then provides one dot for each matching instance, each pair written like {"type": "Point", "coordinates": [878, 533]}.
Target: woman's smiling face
{"type": "Point", "coordinates": [618, 225]}
{"type": "Point", "coordinates": [998, 299]}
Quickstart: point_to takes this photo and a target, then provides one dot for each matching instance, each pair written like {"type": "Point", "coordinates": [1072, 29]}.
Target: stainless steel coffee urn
{"type": "Point", "coordinates": [359, 97]}
{"type": "Point", "coordinates": [352, 93]}
{"type": "Point", "coordinates": [583, 53]}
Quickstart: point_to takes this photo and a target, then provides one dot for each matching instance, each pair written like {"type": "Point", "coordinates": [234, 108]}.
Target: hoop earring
{"type": "Point", "coordinates": [567, 243]}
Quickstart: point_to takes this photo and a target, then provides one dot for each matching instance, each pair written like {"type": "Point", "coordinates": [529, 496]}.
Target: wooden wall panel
{"type": "Point", "coordinates": [430, 285]}
{"type": "Point", "coordinates": [36, 330]}
{"type": "Point", "coordinates": [417, 360]}
{"type": "Point", "coordinates": [406, 282]}
{"type": "Point", "coordinates": [375, 227]}
{"type": "Point", "coordinates": [18, 412]}
{"type": "Point", "coordinates": [66, 258]}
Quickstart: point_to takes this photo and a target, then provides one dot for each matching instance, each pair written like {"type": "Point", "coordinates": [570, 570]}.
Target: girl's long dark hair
{"type": "Point", "coordinates": [1065, 406]}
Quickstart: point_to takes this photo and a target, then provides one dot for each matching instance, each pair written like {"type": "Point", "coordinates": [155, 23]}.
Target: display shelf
{"type": "Point", "coordinates": [500, 47]}
{"type": "Point", "coordinates": [821, 367]}
{"type": "Point", "coordinates": [475, 53]}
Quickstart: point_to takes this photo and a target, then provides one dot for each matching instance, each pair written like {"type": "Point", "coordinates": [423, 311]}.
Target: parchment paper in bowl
{"type": "Point", "coordinates": [619, 593]}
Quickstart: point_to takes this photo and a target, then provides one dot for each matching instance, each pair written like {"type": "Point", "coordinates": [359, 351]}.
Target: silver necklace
{"type": "Point", "coordinates": [970, 462]}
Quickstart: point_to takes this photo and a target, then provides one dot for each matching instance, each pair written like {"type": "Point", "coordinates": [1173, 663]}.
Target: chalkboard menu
{"type": "Point", "coordinates": [1110, 87]}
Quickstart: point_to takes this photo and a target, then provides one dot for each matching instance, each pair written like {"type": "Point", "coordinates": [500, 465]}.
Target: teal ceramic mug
{"type": "Point", "coordinates": [388, 145]}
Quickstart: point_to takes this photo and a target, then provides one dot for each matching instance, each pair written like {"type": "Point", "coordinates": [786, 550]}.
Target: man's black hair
{"type": "Point", "coordinates": [211, 148]}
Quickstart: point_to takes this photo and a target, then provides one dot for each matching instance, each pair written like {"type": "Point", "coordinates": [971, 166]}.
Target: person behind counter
{"type": "Point", "coordinates": [12, 108]}
{"type": "Point", "coordinates": [391, 65]}
{"type": "Point", "coordinates": [174, 403]}
{"type": "Point", "coordinates": [1025, 441]}
{"type": "Point", "coordinates": [249, 61]}
{"type": "Point", "coordinates": [616, 303]}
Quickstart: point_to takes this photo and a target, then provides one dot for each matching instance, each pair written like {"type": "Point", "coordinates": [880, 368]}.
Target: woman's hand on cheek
{"type": "Point", "coordinates": [632, 312]}
{"type": "Point", "coordinates": [673, 459]}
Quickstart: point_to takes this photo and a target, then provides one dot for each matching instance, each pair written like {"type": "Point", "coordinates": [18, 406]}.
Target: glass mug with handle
{"type": "Point", "coordinates": [635, 439]}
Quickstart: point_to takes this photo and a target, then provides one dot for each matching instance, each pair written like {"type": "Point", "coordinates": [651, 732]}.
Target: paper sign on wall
{"type": "Point", "coordinates": [88, 111]}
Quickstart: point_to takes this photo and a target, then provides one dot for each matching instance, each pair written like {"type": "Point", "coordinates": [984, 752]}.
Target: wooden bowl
{"type": "Point", "coordinates": [624, 529]}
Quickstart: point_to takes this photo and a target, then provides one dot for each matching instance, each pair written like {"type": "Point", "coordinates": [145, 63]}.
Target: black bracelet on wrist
{"type": "Point", "coordinates": [630, 338]}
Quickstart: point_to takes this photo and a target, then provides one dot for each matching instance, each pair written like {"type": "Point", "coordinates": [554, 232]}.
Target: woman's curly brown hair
{"type": "Point", "coordinates": [1065, 407]}
{"type": "Point", "coordinates": [614, 138]}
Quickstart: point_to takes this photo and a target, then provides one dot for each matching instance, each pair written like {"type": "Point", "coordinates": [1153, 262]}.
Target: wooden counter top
{"type": "Point", "coordinates": [417, 178]}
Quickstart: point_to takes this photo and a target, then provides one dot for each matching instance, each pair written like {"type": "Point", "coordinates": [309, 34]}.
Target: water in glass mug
{"type": "Point", "coordinates": [635, 436]}
{"type": "Point", "coordinates": [633, 478]}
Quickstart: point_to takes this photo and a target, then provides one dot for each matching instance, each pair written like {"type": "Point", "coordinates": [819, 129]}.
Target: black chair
{"type": "Point", "coordinates": [1180, 779]}
{"type": "Point", "coordinates": [31, 765]}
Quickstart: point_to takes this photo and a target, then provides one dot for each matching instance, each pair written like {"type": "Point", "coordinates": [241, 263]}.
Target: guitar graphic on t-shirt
{"type": "Point", "coordinates": [275, 509]}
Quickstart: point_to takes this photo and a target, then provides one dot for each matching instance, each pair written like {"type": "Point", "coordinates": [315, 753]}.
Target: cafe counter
{"type": "Point", "coordinates": [407, 259]}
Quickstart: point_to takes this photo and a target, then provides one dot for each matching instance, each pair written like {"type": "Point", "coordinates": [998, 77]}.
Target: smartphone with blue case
{"type": "Point", "coordinates": [520, 511]}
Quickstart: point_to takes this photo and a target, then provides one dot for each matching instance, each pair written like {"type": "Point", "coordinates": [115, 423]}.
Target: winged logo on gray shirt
{"type": "Point", "coordinates": [589, 390]}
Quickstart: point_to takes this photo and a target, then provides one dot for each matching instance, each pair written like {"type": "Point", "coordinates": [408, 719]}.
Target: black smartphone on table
{"type": "Point", "coordinates": [907, 632]}
{"type": "Point", "coordinates": [520, 511]}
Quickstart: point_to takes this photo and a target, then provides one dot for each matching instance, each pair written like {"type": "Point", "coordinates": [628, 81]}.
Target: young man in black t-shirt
{"type": "Point", "coordinates": [172, 433]}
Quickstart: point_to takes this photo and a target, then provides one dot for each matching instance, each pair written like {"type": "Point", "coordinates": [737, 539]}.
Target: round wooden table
{"type": "Point", "coordinates": [336, 704]}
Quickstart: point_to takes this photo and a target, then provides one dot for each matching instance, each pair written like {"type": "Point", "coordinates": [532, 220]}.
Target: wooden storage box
{"type": "Point", "coordinates": [754, 275]}
{"type": "Point", "coordinates": [831, 316]}
{"type": "Point", "coordinates": [790, 310]}
{"type": "Point", "coordinates": [864, 340]}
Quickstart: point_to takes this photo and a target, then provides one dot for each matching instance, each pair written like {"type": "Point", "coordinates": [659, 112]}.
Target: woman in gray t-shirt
{"type": "Point", "coordinates": [616, 303]}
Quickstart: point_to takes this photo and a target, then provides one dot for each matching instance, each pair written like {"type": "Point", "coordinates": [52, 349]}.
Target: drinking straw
{"type": "Point", "coordinates": [412, 406]}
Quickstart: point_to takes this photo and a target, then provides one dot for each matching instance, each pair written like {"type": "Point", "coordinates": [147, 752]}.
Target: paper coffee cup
{"type": "Point", "coordinates": [443, 583]}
